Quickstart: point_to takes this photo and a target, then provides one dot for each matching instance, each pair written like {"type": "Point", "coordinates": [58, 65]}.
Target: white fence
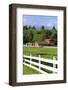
{"type": "Point", "coordinates": [28, 60]}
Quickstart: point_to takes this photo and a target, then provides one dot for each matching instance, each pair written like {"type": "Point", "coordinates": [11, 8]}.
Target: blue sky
{"type": "Point", "coordinates": [47, 21]}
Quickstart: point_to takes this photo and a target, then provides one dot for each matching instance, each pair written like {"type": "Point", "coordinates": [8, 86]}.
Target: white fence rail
{"type": "Point", "coordinates": [28, 60]}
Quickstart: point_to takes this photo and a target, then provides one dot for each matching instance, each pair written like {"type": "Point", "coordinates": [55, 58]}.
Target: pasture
{"type": "Point", "coordinates": [43, 52]}
{"type": "Point", "coordinates": [47, 53]}
{"type": "Point", "coordinates": [27, 70]}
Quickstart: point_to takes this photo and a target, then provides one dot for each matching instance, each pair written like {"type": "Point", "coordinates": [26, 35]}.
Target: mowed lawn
{"type": "Point", "coordinates": [43, 52]}
{"type": "Point", "coordinates": [27, 70]}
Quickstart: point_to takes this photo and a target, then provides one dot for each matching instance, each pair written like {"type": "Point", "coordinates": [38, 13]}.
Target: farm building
{"type": "Point", "coordinates": [48, 42]}
{"type": "Point", "coordinates": [45, 42]}
{"type": "Point", "coordinates": [35, 44]}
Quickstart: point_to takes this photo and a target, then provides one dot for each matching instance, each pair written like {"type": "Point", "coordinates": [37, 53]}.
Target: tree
{"type": "Point", "coordinates": [54, 27]}
{"type": "Point", "coordinates": [42, 27]}
{"type": "Point", "coordinates": [25, 27]}
{"type": "Point", "coordinates": [31, 34]}
{"type": "Point", "coordinates": [40, 35]}
{"type": "Point", "coordinates": [34, 28]}
{"type": "Point", "coordinates": [54, 36]}
{"type": "Point", "coordinates": [26, 37]}
{"type": "Point", "coordinates": [48, 34]}
{"type": "Point", "coordinates": [30, 27]}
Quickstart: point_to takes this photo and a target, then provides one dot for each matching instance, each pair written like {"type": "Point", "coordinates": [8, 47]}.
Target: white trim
{"type": "Point", "coordinates": [31, 78]}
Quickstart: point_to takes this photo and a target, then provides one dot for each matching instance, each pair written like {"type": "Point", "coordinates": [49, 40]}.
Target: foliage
{"type": "Point", "coordinates": [31, 34]}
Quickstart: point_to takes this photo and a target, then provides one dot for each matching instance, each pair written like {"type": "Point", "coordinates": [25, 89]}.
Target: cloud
{"type": "Point", "coordinates": [25, 20]}
{"type": "Point", "coordinates": [49, 24]}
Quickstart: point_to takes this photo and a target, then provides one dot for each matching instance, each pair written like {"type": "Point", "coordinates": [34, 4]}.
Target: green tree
{"type": "Point", "coordinates": [31, 34]}
{"type": "Point", "coordinates": [26, 36]}
{"type": "Point", "coordinates": [42, 27]}
{"type": "Point", "coordinates": [54, 35]}
{"type": "Point", "coordinates": [48, 33]}
{"type": "Point", "coordinates": [40, 35]}
{"type": "Point", "coordinates": [25, 27]}
{"type": "Point", "coordinates": [34, 28]}
{"type": "Point", "coordinates": [54, 27]}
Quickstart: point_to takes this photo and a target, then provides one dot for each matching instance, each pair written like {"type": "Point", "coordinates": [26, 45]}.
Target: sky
{"type": "Point", "coordinates": [47, 21]}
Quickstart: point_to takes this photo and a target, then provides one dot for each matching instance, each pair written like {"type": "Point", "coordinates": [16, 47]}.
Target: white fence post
{"type": "Point", "coordinates": [54, 65]}
{"type": "Point", "coordinates": [39, 61]}
{"type": "Point", "coordinates": [39, 64]}
{"type": "Point", "coordinates": [30, 58]}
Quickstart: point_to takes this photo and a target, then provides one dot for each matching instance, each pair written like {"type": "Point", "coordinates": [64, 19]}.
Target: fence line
{"type": "Point", "coordinates": [28, 61]}
{"type": "Point", "coordinates": [41, 71]}
{"type": "Point", "coordinates": [42, 59]}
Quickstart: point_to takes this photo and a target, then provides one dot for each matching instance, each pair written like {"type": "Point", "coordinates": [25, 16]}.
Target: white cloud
{"type": "Point", "coordinates": [49, 24]}
{"type": "Point", "coordinates": [25, 20]}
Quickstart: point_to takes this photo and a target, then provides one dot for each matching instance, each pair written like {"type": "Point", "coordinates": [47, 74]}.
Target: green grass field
{"type": "Point", "coordinates": [43, 52]}
{"type": "Point", "coordinates": [27, 70]}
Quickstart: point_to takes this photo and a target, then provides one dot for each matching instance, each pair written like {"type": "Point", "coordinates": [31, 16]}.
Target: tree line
{"type": "Point", "coordinates": [31, 34]}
